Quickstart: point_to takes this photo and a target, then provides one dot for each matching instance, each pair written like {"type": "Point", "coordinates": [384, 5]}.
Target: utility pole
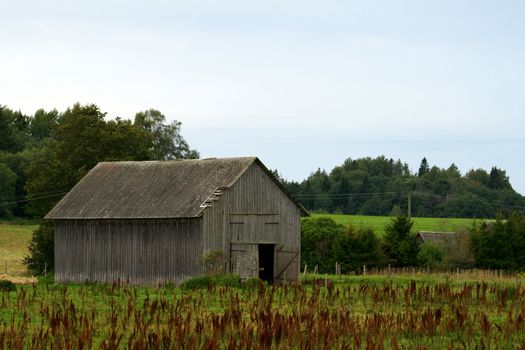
{"type": "Point", "coordinates": [409, 209]}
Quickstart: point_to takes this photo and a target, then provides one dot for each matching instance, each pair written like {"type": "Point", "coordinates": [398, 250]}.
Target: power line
{"type": "Point", "coordinates": [309, 196]}
{"type": "Point", "coordinates": [35, 198]}
{"type": "Point", "coordinates": [363, 194]}
{"type": "Point", "coordinates": [448, 198]}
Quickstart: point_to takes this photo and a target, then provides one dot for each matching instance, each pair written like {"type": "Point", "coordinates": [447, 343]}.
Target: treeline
{"type": "Point", "coordinates": [381, 186]}
{"type": "Point", "coordinates": [487, 245]}
{"type": "Point", "coordinates": [42, 156]}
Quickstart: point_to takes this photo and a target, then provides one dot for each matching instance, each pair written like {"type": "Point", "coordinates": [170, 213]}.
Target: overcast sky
{"type": "Point", "coordinates": [301, 84]}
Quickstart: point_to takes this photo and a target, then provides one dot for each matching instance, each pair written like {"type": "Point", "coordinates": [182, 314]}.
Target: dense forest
{"type": "Point", "coordinates": [42, 156]}
{"type": "Point", "coordinates": [381, 186]}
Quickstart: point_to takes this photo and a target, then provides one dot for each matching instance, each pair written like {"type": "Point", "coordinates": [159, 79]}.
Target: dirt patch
{"type": "Point", "coordinates": [18, 280]}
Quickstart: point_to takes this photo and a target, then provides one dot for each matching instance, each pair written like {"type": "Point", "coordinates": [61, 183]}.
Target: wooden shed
{"type": "Point", "coordinates": [455, 246]}
{"type": "Point", "coordinates": [156, 221]}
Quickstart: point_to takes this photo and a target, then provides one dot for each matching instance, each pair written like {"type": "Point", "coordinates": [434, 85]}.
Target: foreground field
{"type": "Point", "coordinates": [14, 239]}
{"type": "Point", "coordinates": [377, 223]}
{"type": "Point", "coordinates": [372, 313]}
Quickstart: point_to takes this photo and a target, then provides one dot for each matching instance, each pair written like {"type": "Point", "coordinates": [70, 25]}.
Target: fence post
{"type": "Point", "coordinates": [364, 270]}
{"type": "Point", "coordinates": [305, 268]}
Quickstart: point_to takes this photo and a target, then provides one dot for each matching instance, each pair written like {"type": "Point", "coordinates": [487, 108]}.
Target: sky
{"type": "Point", "coordinates": [300, 84]}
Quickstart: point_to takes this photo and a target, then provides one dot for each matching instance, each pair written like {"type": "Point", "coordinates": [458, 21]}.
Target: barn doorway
{"type": "Point", "coordinates": [266, 262]}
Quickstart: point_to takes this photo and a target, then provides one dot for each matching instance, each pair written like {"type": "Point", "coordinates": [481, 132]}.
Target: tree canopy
{"type": "Point", "coordinates": [43, 156]}
{"type": "Point", "coordinates": [380, 186]}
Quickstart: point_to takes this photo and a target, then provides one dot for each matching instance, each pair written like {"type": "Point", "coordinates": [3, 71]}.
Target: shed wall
{"type": "Point", "coordinates": [134, 251]}
{"type": "Point", "coordinates": [255, 210]}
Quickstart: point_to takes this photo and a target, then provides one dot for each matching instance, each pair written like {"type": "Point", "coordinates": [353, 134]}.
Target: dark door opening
{"type": "Point", "coordinates": [266, 262]}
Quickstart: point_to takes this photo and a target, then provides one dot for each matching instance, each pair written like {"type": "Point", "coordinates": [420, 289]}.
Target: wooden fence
{"type": "Point", "coordinates": [424, 271]}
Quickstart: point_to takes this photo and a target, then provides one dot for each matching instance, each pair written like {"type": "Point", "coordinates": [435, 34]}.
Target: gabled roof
{"type": "Point", "coordinates": [153, 189]}
{"type": "Point", "coordinates": [436, 237]}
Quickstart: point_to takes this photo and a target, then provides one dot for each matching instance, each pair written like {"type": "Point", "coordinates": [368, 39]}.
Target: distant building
{"type": "Point", "coordinates": [435, 237]}
{"type": "Point", "coordinates": [455, 246]}
{"type": "Point", "coordinates": [157, 221]}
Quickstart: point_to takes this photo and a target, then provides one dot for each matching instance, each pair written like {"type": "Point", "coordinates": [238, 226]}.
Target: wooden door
{"type": "Point", "coordinates": [245, 260]}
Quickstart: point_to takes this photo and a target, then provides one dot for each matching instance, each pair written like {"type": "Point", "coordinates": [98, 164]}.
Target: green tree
{"type": "Point", "coordinates": [7, 190]}
{"type": "Point", "coordinates": [318, 237]}
{"type": "Point", "coordinates": [14, 130]}
{"type": "Point", "coordinates": [478, 176]}
{"type": "Point", "coordinates": [42, 125]}
{"type": "Point", "coordinates": [167, 141]}
{"type": "Point", "coordinates": [399, 243]}
{"type": "Point", "coordinates": [500, 245]}
{"type": "Point", "coordinates": [41, 256]}
{"type": "Point", "coordinates": [17, 163]}
{"type": "Point", "coordinates": [357, 247]}
{"type": "Point", "coordinates": [81, 139]}
{"type": "Point", "coordinates": [423, 167]}
{"type": "Point", "coordinates": [498, 179]}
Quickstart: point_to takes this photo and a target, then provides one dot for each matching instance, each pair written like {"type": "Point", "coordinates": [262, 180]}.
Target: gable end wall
{"type": "Point", "coordinates": [253, 201]}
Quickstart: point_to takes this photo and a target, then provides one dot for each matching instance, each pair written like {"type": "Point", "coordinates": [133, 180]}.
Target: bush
{"type": "Point", "coordinates": [430, 255]}
{"type": "Point", "coordinates": [7, 286]}
{"type": "Point", "coordinates": [48, 278]}
{"type": "Point", "coordinates": [253, 283]}
{"type": "Point", "coordinates": [208, 281]}
{"type": "Point", "coordinates": [214, 262]}
{"type": "Point", "coordinates": [41, 258]}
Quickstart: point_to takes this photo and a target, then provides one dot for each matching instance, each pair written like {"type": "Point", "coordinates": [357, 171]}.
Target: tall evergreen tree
{"type": "Point", "coordinates": [423, 167]}
{"type": "Point", "coordinates": [399, 243]}
{"type": "Point", "coordinates": [498, 179]}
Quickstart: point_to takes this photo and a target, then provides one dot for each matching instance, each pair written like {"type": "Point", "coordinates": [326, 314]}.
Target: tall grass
{"type": "Point", "coordinates": [415, 314]}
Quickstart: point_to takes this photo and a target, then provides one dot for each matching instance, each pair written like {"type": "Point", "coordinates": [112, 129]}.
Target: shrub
{"type": "Point", "coordinates": [430, 255]}
{"type": "Point", "coordinates": [7, 286]}
{"type": "Point", "coordinates": [207, 281]}
{"type": "Point", "coordinates": [48, 278]}
{"type": "Point", "coordinates": [41, 256]}
{"type": "Point", "coordinates": [253, 283]}
{"type": "Point", "coordinates": [214, 261]}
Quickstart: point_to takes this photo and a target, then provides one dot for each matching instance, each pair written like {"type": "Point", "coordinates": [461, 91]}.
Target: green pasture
{"type": "Point", "coordinates": [377, 223]}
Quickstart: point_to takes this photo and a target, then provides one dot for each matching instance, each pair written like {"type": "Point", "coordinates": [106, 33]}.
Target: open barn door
{"type": "Point", "coordinates": [287, 264]}
{"type": "Point", "coordinates": [245, 260]}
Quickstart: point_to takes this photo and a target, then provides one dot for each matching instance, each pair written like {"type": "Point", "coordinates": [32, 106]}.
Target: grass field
{"type": "Point", "coordinates": [377, 223]}
{"type": "Point", "coordinates": [14, 239]}
{"type": "Point", "coordinates": [359, 312]}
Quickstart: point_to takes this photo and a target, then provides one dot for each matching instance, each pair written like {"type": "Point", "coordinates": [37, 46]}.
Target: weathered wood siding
{"type": "Point", "coordinates": [134, 251]}
{"type": "Point", "coordinates": [255, 210]}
